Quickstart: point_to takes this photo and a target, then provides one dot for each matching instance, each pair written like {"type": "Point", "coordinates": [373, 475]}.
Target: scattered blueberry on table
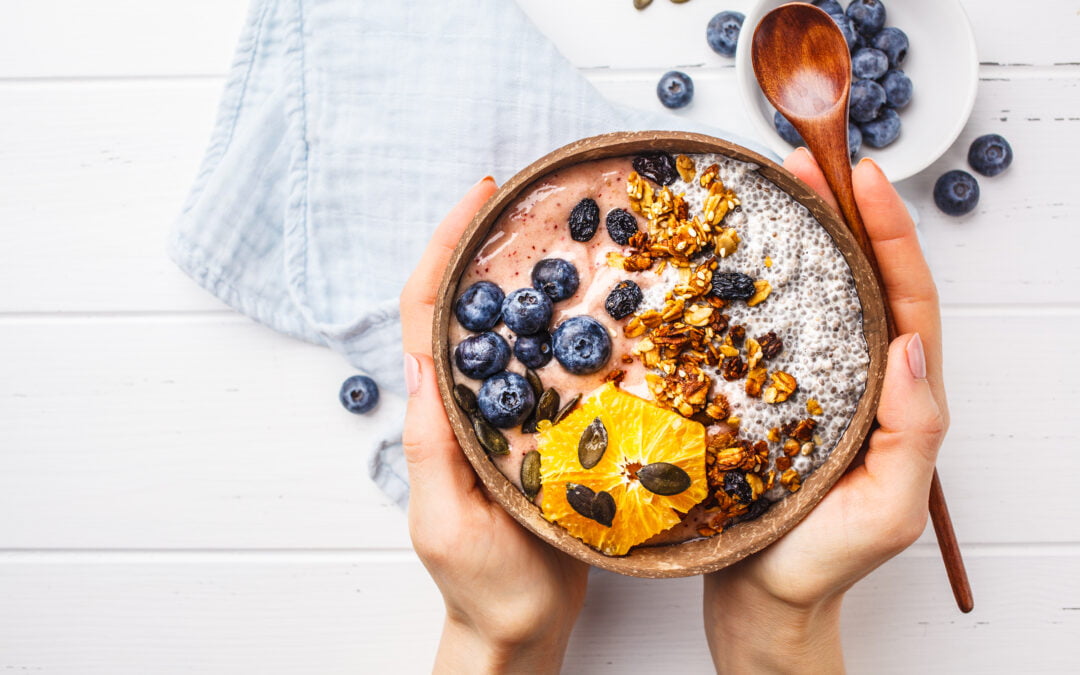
{"type": "Point", "coordinates": [675, 89]}
{"type": "Point", "coordinates": [990, 154]}
{"type": "Point", "coordinates": [722, 32]}
{"type": "Point", "coordinates": [359, 394]}
{"type": "Point", "coordinates": [956, 192]}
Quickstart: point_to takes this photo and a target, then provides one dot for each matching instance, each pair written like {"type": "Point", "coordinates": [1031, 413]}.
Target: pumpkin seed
{"type": "Point", "coordinates": [593, 444]}
{"type": "Point", "coordinates": [580, 498]}
{"type": "Point", "coordinates": [603, 510]}
{"type": "Point", "coordinates": [534, 382]}
{"type": "Point", "coordinates": [491, 439]}
{"type": "Point", "coordinates": [679, 2]}
{"type": "Point", "coordinates": [529, 425]}
{"type": "Point", "coordinates": [663, 478]}
{"type": "Point", "coordinates": [530, 474]}
{"type": "Point", "coordinates": [566, 409]}
{"type": "Point", "coordinates": [642, 4]}
{"type": "Point", "coordinates": [465, 399]}
{"type": "Point", "coordinates": [548, 405]}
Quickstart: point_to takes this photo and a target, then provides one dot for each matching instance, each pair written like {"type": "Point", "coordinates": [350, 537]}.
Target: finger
{"type": "Point", "coordinates": [802, 164]}
{"type": "Point", "coordinates": [908, 283]}
{"type": "Point", "coordinates": [439, 474]}
{"type": "Point", "coordinates": [904, 449]}
{"type": "Point", "coordinates": [418, 296]}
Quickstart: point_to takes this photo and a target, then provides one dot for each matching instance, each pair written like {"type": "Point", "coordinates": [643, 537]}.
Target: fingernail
{"type": "Point", "coordinates": [412, 374]}
{"type": "Point", "coordinates": [916, 357]}
{"type": "Point", "coordinates": [871, 163]}
{"type": "Point", "coordinates": [806, 153]}
{"type": "Point", "coordinates": [485, 179]}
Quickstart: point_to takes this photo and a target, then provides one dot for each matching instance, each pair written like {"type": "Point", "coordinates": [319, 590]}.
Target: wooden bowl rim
{"type": "Point", "coordinates": [702, 555]}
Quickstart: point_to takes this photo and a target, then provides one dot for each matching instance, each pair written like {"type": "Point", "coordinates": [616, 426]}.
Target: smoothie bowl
{"type": "Point", "coordinates": [658, 350]}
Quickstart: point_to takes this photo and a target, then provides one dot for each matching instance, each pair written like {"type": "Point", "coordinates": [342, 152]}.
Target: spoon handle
{"type": "Point", "coordinates": [839, 178]}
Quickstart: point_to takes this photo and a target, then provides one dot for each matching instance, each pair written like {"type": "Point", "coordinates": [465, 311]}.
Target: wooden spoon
{"type": "Point", "coordinates": [802, 64]}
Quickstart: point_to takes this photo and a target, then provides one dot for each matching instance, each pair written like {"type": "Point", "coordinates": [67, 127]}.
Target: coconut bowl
{"type": "Point", "coordinates": [735, 543]}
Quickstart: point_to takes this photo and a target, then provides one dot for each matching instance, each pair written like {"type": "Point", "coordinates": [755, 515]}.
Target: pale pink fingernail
{"type": "Point", "coordinates": [916, 357]}
{"type": "Point", "coordinates": [412, 374]}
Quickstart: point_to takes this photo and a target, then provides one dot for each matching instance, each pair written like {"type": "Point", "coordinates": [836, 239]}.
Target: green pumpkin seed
{"type": "Point", "coordinates": [566, 409]}
{"type": "Point", "coordinates": [548, 405]}
{"type": "Point", "coordinates": [491, 439]}
{"type": "Point", "coordinates": [580, 498]}
{"type": "Point", "coordinates": [593, 444]}
{"type": "Point", "coordinates": [534, 381]}
{"type": "Point", "coordinates": [603, 510]}
{"type": "Point", "coordinates": [663, 479]}
{"type": "Point", "coordinates": [529, 425]}
{"type": "Point", "coordinates": [465, 399]}
{"type": "Point", "coordinates": [679, 2]}
{"type": "Point", "coordinates": [642, 4]}
{"type": "Point", "coordinates": [530, 474]}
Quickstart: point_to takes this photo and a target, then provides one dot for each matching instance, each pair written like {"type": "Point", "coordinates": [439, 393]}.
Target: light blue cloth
{"type": "Point", "coordinates": [346, 131]}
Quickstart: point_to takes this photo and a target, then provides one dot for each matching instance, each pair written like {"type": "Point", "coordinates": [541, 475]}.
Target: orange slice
{"type": "Point", "coordinates": [638, 434]}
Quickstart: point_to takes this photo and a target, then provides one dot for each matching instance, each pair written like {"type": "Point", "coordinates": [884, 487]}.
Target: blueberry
{"type": "Point", "coordinates": [621, 225]}
{"type": "Point", "coordinates": [534, 351]}
{"type": "Point", "coordinates": [675, 89]}
{"type": "Point", "coordinates": [897, 88]}
{"type": "Point", "coordinates": [851, 36]}
{"type": "Point", "coordinates": [359, 394]}
{"type": "Point", "coordinates": [556, 277]}
{"type": "Point", "coordinates": [786, 131]}
{"type": "Point", "coordinates": [505, 399]}
{"type": "Point", "coordinates": [854, 139]}
{"type": "Point", "coordinates": [894, 43]}
{"type": "Point", "coordinates": [584, 219]}
{"type": "Point", "coordinates": [882, 131]}
{"type": "Point", "coordinates": [623, 300]}
{"type": "Point", "coordinates": [990, 154]}
{"type": "Point", "coordinates": [582, 345]}
{"type": "Point", "coordinates": [723, 32]}
{"type": "Point", "coordinates": [867, 15]}
{"type": "Point", "coordinates": [526, 311]}
{"type": "Point", "coordinates": [829, 6]}
{"type": "Point", "coordinates": [479, 356]}
{"type": "Point", "coordinates": [869, 63]}
{"type": "Point", "coordinates": [478, 308]}
{"type": "Point", "coordinates": [867, 100]}
{"type": "Point", "coordinates": [956, 192]}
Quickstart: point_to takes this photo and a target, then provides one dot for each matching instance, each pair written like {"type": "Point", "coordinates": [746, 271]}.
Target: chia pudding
{"type": "Point", "coordinates": [722, 299]}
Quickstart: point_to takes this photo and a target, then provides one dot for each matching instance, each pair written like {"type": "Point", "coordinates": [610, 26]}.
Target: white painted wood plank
{"type": "Point", "coordinates": [64, 615]}
{"type": "Point", "coordinates": [217, 433]}
{"type": "Point", "coordinates": [98, 172]}
{"type": "Point", "coordinates": [68, 38]}
{"type": "Point", "coordinates": [124, 38]}
{"type": "Point", "coordinates": [186, 432]}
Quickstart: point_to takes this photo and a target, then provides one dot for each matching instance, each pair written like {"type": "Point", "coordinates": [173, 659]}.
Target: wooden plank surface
{"type": "Point", "coordinates": [94, 614]}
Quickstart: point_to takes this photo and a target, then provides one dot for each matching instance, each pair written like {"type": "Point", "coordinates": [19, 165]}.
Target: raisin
{"type": "Point", "coordinates": [623, 300]}
{"type": "Point", "coordinates": [757, 509]}
{"type": "Point", "coordinates": [621, 225]}
{"type": "Point", "coordinates": [733, 368]}
{"type": "Point", "coordinates": [659, 167]}
{"type": "Point", "coordinates": [735, 485]}
{"type": "Point", "coordinates": [584, 219]}
{"type": "Point", "coordinates": [771, 345]}
{"type": "Point", "coordinates": [732, 286]}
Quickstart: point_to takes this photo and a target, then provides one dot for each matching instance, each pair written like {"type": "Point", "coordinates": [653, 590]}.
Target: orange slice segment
{"type": "Point", "coordinates": [639, 434]}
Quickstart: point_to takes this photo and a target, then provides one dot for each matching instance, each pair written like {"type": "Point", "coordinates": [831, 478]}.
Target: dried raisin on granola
{"type": "Point", "coordinates": [659, 167]}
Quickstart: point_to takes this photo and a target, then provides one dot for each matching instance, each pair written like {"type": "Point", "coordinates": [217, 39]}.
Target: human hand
{"type": "Point", "coordinates": [511, 600]}
{"type": "Point", "coordinates": [789, 594]}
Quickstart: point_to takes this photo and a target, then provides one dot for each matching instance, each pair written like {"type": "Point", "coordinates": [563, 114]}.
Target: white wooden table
{"type": "Point", "coordinates": [180, 491]}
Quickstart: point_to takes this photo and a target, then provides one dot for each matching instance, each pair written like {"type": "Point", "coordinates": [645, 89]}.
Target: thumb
{"type": "Point", "coordinates": [904, 449]}
{"type": "Point", "coordinates": [439, 474]}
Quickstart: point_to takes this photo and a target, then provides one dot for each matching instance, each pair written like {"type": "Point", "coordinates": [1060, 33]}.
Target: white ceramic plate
{"type": "Point", "coordinates": [942, 63]}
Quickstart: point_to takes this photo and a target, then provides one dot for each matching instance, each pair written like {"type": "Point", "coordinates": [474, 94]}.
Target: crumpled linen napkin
{"type": "Point", "coordinates": [345, 132]}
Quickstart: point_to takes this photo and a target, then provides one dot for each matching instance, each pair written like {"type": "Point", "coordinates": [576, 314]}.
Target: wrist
{"type": "Point", "coordinates": [752, 630]}
{"type": "Point", "coordinates": [464, 648]}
